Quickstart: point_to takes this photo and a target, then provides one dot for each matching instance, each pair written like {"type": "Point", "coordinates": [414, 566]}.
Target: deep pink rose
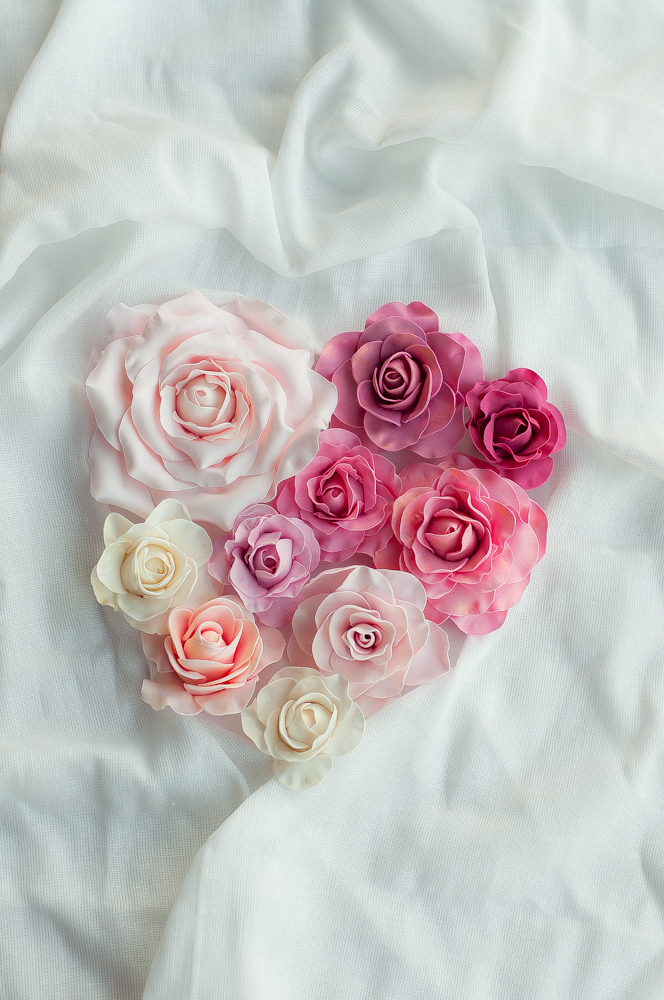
{"type": "Point", "coordinates": [268, 561]}
{"type": "Point", "coordinates": [345, 494]}
{"type": "Point", "coordinates": [210, 659]}
{"type": "Point", "coordinates": [212, 405]}
{"type": "Point", "coordinates": [368, 625]}
{"type": "Point", "coordinates": [514, 427]}
{"type": "Point", "coordinates": [402, 381]}
{"type": "Point", "coordinates": [471, 537]}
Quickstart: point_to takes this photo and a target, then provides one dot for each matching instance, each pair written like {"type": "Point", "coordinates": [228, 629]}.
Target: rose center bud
{"type": "Point", "coordinates": [451, 538]}
{"type": "Point", "coordinates": [513, 426]}
{"type": "Point", "coordinates": [397, 377]}
{"type": "Point", "coordinates": [271, 562]}
{"type": "Point", "coordinates": [205, 400]}
{"type": "Point", "coordinates": [211, 636]}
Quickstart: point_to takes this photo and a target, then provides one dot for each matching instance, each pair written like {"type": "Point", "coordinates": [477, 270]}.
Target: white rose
{"type": "Point", "coordinates": [147, 569]}
{"type": "Point", "coordinates": [303, 720]}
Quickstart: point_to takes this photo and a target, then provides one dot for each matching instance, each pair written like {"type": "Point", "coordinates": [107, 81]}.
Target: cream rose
{"type": "Point", "coordinates": [146, 569]}
{"type": "Point", "coordinates": [303, 720]}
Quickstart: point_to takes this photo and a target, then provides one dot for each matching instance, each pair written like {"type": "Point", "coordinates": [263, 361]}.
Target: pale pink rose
{"type": "Point", "coordinates": [210, 660]}
{"type": "Point", "coordinates": [345, 494]}
{"type": "Point", "coordinates": [368, 626]}
{"type": "Point", "coordinates": [213, 404]}
{"type": "Point", "coordinates": [268, 561]}
{"type": "Point", "coordinates": [402, 381]}
{"type": "Point", "coordinates": [471, 537]}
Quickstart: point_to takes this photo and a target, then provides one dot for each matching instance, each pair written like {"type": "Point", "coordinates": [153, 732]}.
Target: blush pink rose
{"type": "Point", "coordinates": [268, 561]}
{"type": "Point", "coordinates": [214, 405]}
{"type": "Point", "coordinates": [210, 660]}
{"type": "Point", "coordinates": [471, 537]}
{"type": "Point", "coordinates": [368, 626]}
{"type": "Point", "coordinates": [402, 381]}
{"type": "Point", "coordinates": [514, 427]}
{"type": "Point", "coordinates": [345, 495]}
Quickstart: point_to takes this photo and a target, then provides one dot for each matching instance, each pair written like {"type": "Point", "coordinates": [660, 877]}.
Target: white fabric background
{"type": "Point", "coordinates": [499, 834]}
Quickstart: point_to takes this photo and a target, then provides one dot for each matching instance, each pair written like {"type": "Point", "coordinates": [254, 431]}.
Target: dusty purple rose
{"type": "Point", "coordinates": [345, 495]}
{"type": "Point", "coordinates": [402, 381]}
{"type": "Point", "coordinates": [268, 561]}
{"type": "Point", "coordinates": [514, 427]}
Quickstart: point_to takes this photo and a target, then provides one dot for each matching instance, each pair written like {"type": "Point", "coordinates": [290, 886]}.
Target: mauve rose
{"type": "Point", "coordinates": [368, 625]}
{"type": "Point", "coordinates": [471, 537]}
{"type": "Point", "coordinates": [345, 494]}
{"type": "Point", "coordinates": [215, 404]}
{"type": "Point", "coordinates": [402, 381]}
{"type": "Point", "coordinates": [268, 561]}
{"type": "Point", "coordinates": [210, 660]}
{"type": "Point", "coordinates": [514, 427]}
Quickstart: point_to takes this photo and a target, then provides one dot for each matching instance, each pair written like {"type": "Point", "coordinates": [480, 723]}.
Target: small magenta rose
{"type": "Point", "coordinates": [471, 537]}
{"type": "Point", "coordinates": [210, 660]}
{"type": "Point", "coordinates": [345, 495]}
{"type": "Point", "coordinates": [368, 626]}
{"type": "Point", "coordinates": [515, 428]}
{"type": "Point", "coordinates": [401, 381]}
{"type": "Point", "coordinates": [268, 561]}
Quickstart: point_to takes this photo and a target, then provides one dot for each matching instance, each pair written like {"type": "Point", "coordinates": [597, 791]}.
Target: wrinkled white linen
{"type": "Point", "coordinates": [498, 832]}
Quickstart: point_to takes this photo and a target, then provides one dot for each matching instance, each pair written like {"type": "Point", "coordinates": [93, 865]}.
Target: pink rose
{"type": "Point", "coordinates": [471, 537]}
{"type": "Point", "coordinates": [368, 626]}
{"type": "Point", "coordinates": [514, 427]}
{"type": "Point", "coordinates": [210, 659]}
{"type": "Point", "coordinates": [345, 494]}
{"type": "Point", "coordinates": [268, 561]}
{"type": "Point", "coordinates": [403, 381]}
{"type": "Point", "coordinates": [215, 405]}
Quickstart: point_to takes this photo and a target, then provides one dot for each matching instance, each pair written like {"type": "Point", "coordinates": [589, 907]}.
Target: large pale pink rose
{"type": "Point", "coordinates": [210, 660]}
{"type": "Point", "coordinates": [471, 537]}
{"type": "Point", "coordinates": [213, 404]}
{"type": "Point", "coordinates": [345, 494]}
{"type": "Point", "coordinates": [368, 626]}
{"type": "Point", "coordinates": [402, 381]}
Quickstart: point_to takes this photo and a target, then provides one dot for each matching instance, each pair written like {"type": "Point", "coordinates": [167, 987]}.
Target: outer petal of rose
{"type": "Point", "coordinates": [273, 646]}
{"type": "Point", "coordinates": [415, 312]}
{"type": "Point", "coordinates": [388, 558]}
{"type": "Point", "coordinates": [221, 507]}
{"type": "Point", "coordinates": [432, 660]}
{"type": "Point", "coordinates": [529, 476]}
{"type": "Point", "coordinates": [405, 587]}
{"type": "Point", "coordinates": [336, 352]}
{"type": "Point", "coordinates": [267, 320]}
{"type": "Point", "coordinates": [120, 323]}
{"type": "Point", "coordinates": [509, 595]}
{"type": "Point", "coordinates": [538, 522]}
{"type": "Point", "coordinates": [109, 390]}
{"type": "Point", "coordinates": [389, 687]}
{"type": "Point", "coordinates": [167, 689]}
{"type": "Point", "coordinates": [392, 438]}
{"type": "Point", "coordinates": [114, 526]}
{"type": "Point", "coordinates": [271, 697]}
{"type": "Point", "coordinates": [480, 624]}
{"type": "Point", "coordinates": [339, 555]}
{"type": "Point", "coordinates": [364, 580]}
{"type": "Point", "coordinates": [348, 733]}
{"type": "Point", "coordinates": [327, 581]}
{"type": "Point", "coordinates": [145, 415]}
{"type": "Point", "coordinates": [441, 442]}
{"type": "Point", "coordinates": [228, 702]}
{"type": "Point", "coordinates": [141, 611]}
{"type": "Point", "coordinates": [111, 483]}
{"type": "Point", "coordinates": [142, 463]}
{"type": "Point", "coordinates": [365, 361]}
{"type": "Point", "coordinates": [299, 775]}
{"type": "Point", "coordinates": [189, 537]}
{"type": "Point", "coordinates": [254, 728]}
{"type": "Point", "coordinates": [291, 368]}
{"type": "Point", "coordinates": [296, 653]}
{"type": "Point", "coordinates": [303, 444]}
{"type": "Point", "coordinates": [153, 647]}
{"type": "Point", "coordinates": [473, 367]}
{"type": "Point", "coordinates": [462, 600]}
{"type": "Point", "coordinates": [560, 424]}
{"type": "Point", "coordinates": [348, 408]}
{"type": "Point", "coordinates": [279, 613]}
{"type": "Point", "coordinates": [102, 593]}
{"type": "Point", "coordinates": [371, 705]}
{"type": "Point", "coordinates": [526, 375]}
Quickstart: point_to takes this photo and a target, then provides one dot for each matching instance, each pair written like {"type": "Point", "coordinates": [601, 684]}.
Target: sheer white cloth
{"type": "Point", "coordinates": [498, 833]}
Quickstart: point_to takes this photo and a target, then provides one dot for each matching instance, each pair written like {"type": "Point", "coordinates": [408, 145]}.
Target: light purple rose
{"type": "Point", "coordinates": [402, 381]}
{"type": "Point", "coordinates": [268, 561]}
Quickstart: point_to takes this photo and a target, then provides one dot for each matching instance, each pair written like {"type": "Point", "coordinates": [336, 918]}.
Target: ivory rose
{"type": "Point", "coordinates": [368, 625]}
{"type": "Point", "coordinates": [215, 404]}
{"type": "Point", "coordinates": [148, 568]}
{"type": "Point", "coordinates": [515, 428]}
{"type": "Point", "coordinates": [471, 537]}
{"type": "Point", "coordinates": [402, 381]}
{"type": "Point", "coordinates": [303, 720]}
{"type": "Point", "coordinates": [210, 659]}
{"type": "Point", "coordinates": [268, 561]}
{"type": "Point", "coordinates": [345, 494]}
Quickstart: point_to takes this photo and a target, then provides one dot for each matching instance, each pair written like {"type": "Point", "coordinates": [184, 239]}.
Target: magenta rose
{"type": "Point", "coordinates": [345, 495]}
{"type": "Point", "coordinates": [210, 660]}
{"type": "Point", "coordinates": [471, 537]}
{"type": "Point", "coordinates": [268, 561]}
{"type": "Point", "coordinates": [402, 382]}
{"type": "Point", "coordinates": [368, 625]}
{"type": "Point", "coordinates": [514, 427]}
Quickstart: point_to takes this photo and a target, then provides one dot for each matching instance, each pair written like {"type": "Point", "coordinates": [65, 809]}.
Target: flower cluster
{"type": "Point", "coordinates": [212, 422]}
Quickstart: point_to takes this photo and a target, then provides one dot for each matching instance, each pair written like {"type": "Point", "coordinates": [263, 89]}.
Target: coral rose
{"type": "Point", "coordinates": [210, 660]}
{"type": "Point", "coordinates": [471, 537]}
{"type": "Point", "coordinates": [514, 427]}
{"type": "Point", "coordinates": [368, 625]}
{"type": "Point", "coordinates": [403, 381]}
{"type": "Point", "coordinates": [345, 494]}
{"type": "Point", "coordinates": [214, 404]}
{"type": "Point", "coordinates": [146, 569]}
{"type": "Point", "coordinates": [303, 720]}
{"type": "Point", "coordinates": [268, 561]}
